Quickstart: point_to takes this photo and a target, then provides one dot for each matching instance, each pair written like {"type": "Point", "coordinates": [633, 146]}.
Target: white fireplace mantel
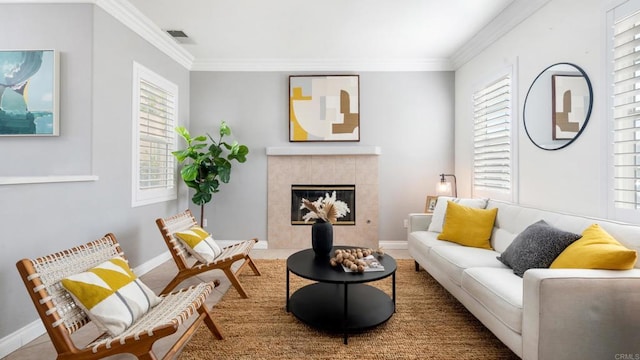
{"type": "Point", "coordinates": [323, 150]}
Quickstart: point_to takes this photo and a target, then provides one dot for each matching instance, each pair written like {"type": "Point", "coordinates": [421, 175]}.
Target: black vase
{"type": "Point", "coordinates": [322, 238]}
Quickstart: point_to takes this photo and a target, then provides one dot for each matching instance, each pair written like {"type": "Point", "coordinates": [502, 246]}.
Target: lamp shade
{"type": "Point", "coordinates": [445, 187]}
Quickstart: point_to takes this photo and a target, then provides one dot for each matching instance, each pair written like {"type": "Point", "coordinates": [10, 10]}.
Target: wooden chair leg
{"type": "Point", "coordinates": [234, 281]}
{"type": "Point", "coordinates": [211, 324]}
{"type": "Point", "coordinates": [253, 266]}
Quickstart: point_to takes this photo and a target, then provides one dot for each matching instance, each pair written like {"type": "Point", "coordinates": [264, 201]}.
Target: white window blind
{"type": "Point", "coordinates": [155, 113]}
{"type": "Point", "coordinates": [626, 112]}
{"type": "Point", "coordinates": [492, 170]}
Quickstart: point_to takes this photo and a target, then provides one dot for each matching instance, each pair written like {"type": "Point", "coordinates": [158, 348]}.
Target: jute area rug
{"type": "Point", "coordinates": [428, 324]}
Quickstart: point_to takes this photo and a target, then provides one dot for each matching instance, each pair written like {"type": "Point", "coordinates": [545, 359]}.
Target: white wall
{"type": "Point", "coordinates": [572, 179]}
{"type": "Point", "coordinates": [408, 114]}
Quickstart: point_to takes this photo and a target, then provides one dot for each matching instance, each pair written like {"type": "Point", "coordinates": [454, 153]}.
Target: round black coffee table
{"type": "Point", "coordinates": [339, 300]}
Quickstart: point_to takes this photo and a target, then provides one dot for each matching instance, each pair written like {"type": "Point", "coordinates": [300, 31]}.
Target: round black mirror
{"type": "Point", "coordinates": [558, 106]}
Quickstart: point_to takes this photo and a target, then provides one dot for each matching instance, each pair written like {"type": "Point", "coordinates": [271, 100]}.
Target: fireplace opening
{"type": "Point", "coordinates": [346, 193]}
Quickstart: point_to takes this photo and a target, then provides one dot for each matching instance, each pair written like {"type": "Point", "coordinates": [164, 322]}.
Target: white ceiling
{"type": "Point", "coordinates": [331, 31]}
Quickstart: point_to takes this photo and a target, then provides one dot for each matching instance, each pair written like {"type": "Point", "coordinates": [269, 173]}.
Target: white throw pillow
{"type": "Point", "coordinates": [111, 295]}
{"type": "Point", "coordinates": [437, 219]}
{"type": "Point", "coordinates": [200, 244]}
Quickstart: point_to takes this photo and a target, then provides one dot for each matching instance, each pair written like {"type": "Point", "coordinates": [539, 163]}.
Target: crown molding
{"type": "Point", "coordinates": [322, 65]}
{"type": "Point", "coordinates": [131, 17]}
{"type": "Point", "coordinates": [509, 18]}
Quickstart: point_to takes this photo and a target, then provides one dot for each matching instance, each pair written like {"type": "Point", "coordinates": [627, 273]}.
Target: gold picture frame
{"type": "Point", "coordinates": [430, 204]}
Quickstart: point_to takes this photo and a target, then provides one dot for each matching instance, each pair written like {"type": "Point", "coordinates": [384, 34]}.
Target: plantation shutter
{"type": "Point", "coordinates": [156, 124]}
{"type": "Point", "coordinates": [492, 136]}
{"type": "Point", "coordinates": [154, 118]}
{"type": "Point", "coordinates": [626, 112]}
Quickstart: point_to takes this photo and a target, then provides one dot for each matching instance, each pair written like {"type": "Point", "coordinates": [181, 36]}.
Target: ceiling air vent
{"type": "Point", "coordinates": [180, 36]}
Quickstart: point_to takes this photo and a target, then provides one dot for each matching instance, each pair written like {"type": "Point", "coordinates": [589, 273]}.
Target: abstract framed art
{"type": "Point", "coordinates": [29, 93]}
{"type": "Point", "coordinates": [570, 101]}
{"type": "Point", "coordinates": [324, 108]}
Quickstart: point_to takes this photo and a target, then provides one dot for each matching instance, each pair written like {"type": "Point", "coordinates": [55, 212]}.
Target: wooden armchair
{"type": "Point", "coordinates": [62, 316]}
{"type": "Point", "coordinates": [230, 254]}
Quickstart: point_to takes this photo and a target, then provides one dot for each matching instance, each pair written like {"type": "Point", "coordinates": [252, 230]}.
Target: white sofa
{"type": "Point", "coordinates": [549, 314]}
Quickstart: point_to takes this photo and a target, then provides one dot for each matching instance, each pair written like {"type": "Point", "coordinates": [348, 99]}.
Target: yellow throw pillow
{"type": "Point", "coordinates": [111, 295]}
{"type": "Point", "coordinates": [200, 244]}
{"type": "Point", "coordinates": [468, 226]}
{"type": "Point", "coordinates": [596, 250]}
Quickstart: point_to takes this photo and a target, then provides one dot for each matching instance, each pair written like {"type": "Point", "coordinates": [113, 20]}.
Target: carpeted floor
{"type": "Point", "coordinates": [428, 324]}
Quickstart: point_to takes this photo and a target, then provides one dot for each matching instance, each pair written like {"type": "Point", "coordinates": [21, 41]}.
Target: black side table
{"type": "Point", "coordinates": [339, 300]}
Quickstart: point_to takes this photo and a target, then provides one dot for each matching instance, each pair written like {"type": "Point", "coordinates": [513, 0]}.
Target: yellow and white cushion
{"type": "Point", "coordinates": [111, 295]}
{"type": "Point", "coordinates": [200, 244]}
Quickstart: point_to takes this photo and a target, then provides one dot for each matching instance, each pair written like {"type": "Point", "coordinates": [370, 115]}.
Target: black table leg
{"type": "Point", "coordinates": [346, 313]}
{"type": "Point", "coordinates": [287, 290]}
{"type": "Point", "coordinates": [393, 287]}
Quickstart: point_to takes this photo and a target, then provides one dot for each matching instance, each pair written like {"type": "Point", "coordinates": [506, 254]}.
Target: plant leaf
{"type": "Point", "coordinates": [224, 129]}
{"type": "Point", "coordinates": [181, 155]}
{"type": "Point", "coordinates": [241, 154]}
{"type": "Point", "coordinates": [225, 173]}
{"type": "Point", "coordinates": [192, 184]}
{"type": "Point", "coordinates": [189, 172]}
{"type": "Point", "coordinates": [200, 198]}
{"type": "Point", "coordinates": [184, 133]}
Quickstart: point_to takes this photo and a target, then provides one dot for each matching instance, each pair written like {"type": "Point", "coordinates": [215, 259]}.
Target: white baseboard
{"type": "Point", "coordinates": [152, 264]}
{"type": "Point", "coordinates": [394, 244]}
{"type": "Point", "coordinates": [387, 244]}
{"type": "Point", "coordinates": [21, 337]}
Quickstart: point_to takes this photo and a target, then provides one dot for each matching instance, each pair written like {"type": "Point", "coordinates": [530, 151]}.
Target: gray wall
{"type": "Point", "coordinates": [97, 53]}
{"type": "Point", "coordinates": [408, 114]}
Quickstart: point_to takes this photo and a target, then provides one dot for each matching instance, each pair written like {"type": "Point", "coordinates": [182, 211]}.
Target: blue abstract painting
{"type": "Point", "coordinates": [28, 93]}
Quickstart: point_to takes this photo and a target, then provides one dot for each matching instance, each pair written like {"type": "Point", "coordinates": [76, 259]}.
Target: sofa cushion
{"type": "Point", "coordinates": [425, 240]}
{"type": "Point", "coordinates": [468, 226]}
{"type": "Point", "coordinates": [501, 238]}
{"type": "Point", "coordinates": [437, 220]}
{"type": "Point", "coordinates": [499, 290]}
{"type": "Point", "coordinates": [453, 260]}
{"type": "Point", "coordinates": [536, 247]}
{"type": "Point", "coordinates": [596, 250]}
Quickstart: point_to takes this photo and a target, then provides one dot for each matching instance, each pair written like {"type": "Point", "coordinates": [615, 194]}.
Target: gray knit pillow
{"type": "Point", "coordinates": [536, 247]}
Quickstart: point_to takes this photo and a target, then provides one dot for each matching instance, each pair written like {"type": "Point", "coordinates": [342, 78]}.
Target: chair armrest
{"type": "Point", "coordinates": [580, 314]}
{"type": "Point", "coordinates": [419, 222]}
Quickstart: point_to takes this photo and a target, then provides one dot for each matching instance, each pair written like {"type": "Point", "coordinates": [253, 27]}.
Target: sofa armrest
{"type": "Point", "coordinates": [419, 222]}
{"type": "Point", "coordinates": [580, 314]}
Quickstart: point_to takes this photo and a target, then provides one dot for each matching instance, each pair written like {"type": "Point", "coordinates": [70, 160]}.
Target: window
{"type": "Point", "coordinates": [624, 123]}
{"type": "Point", "coordinates": [493, 140]}
{"type": "Point", "coordinates": [155, 110]}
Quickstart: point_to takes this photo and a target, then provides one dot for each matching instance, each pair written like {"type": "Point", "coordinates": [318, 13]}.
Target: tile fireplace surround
{"type": "Point", "coordinates": [322, 165]}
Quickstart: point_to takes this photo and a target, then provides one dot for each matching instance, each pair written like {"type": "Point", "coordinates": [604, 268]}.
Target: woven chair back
{"type": "Point", "coordinates": [180, 222]}
{"type": "Point", "coordinates": [51, 269]}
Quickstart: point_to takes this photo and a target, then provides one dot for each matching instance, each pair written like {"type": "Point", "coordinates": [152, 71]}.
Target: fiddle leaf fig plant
{"type": "Point", "coordinates": [207, 163]}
